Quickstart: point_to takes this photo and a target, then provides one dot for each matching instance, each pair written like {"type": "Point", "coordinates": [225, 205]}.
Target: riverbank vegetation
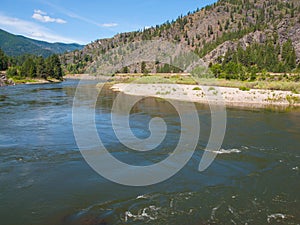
{"type": "Point", "coordinates": [282, 85]}
{"type": "Point", "coordinates": [28, 68]}
{"type": "Point", "coordinates": [283, 82]}
{"type": "Point", "coordinates": [157, 78]}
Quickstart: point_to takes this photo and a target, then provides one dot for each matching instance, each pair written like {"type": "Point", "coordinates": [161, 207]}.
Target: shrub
{"type": "Point", "coordinates": [12, 72]}
{"type": "Point", "coordinates": [244, 89]}
{"type": "Point", "coordinates": [196, 89]}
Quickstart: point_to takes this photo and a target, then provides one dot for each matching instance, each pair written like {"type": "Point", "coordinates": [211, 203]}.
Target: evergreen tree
{"type": "Point", "coordinates": [125, 69]}
{"type": "Point", "coordinates": [58, 73]}
{"type": "Point", "coordinates": [53, 67]}
{"type": "Point", "coordinates": [289, 55]}
{"type": "Point", "coordinates": [28, 68]}
{"type": "Point", "coordinates": [3, 60]}
{"type": "Point", "coordinates": [41, 68]}
{"type": "Point", "coordinates": [291, 60]}
{"type": "Point", "coordinates": [227, 25]}
{"type": "Point", "coordinates": [143, 68]}
{"type": "Point", "coordinates": [12, 72]}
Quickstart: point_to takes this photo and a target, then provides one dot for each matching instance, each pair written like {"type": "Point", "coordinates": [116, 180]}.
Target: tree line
{"type": "Point", "coordinates": [31, 66]}
{"type": "Point", "coordinates": [244, 64]}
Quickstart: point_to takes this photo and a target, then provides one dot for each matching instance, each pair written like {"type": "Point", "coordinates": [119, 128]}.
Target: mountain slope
{"type": "Point", "coordinates": [15, 45]}
{"type": "Point", "coordinates": [212, 31]}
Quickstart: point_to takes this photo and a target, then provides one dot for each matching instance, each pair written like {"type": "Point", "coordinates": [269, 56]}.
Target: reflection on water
{"type": "Point", "coordinates": [44, 179]}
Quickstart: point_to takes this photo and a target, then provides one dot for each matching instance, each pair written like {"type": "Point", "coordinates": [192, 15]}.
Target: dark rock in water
{"type": "Point", "coordinates": [85, 218]}
{"type": "Point", "coordinates": [4, 81]}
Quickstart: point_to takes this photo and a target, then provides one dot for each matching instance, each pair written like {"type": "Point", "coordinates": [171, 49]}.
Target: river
{"type": "Point", "coordinates": [45, 180]}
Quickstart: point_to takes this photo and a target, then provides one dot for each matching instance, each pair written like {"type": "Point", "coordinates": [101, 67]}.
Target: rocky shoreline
{"type": "Point", "coordinates": [4, 81]}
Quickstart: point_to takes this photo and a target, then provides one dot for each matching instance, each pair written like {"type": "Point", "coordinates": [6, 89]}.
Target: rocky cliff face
{"type": "Point", "coordinates": [244, 42]}
{"type": "Point", "coordinates": [290, 29]}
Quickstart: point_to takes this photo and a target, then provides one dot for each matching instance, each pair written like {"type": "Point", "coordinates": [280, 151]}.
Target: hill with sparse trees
{"type": "Point", "coordinates": [236, 38]}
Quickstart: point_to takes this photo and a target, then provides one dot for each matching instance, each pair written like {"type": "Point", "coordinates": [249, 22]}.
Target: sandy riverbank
{"type": "Point", "coordinates": [253, 98]}
{"type": "Point", "coordinates": [79, 76]}
{"type": "Point", "coordinates": [39, 81]}
{"type": "Point", "coordinates": [84, 77]}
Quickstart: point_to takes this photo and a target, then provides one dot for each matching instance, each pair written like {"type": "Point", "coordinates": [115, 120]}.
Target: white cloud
{"type": "Point", "coordinates": [38, 11]}
{"type": "Point", "coordinates": [42, 17]}
{"type": "Point", "coordinates": [109, 25]}
{"type": "Point", "coordinates": [32, 30]}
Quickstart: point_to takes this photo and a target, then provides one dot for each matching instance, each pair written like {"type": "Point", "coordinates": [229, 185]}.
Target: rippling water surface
{"type": "Point", "coordinates": [44, 179]}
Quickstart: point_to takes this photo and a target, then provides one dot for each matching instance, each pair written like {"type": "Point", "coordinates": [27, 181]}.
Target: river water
{"type": "Point", "coordinates": [45, 180]}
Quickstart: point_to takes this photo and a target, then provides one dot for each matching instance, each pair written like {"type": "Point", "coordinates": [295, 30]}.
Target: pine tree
{"type": "Point", "coordinates": [288, 54]}
{"type": "Point", "coordinates": [40, 67]}
{"type": "Point", "coordinates": [3, 60]}
{"type": "Point", "coordinates": [143, 68]}
{"type": "Point", "coordinates": [53, 67]}
{"type": "Point", "coordinates": [12, 72]}
{"type": "Point", "coordinates": [291, 60]}
{"type": "Point", "coordinates": [28, 68]}
{"type": "Point", "coordinates": [58, 73]}
{"type": "Point", "coordinates": [125, 69]}
{"type": "Point", "coordinates": [227, 25]}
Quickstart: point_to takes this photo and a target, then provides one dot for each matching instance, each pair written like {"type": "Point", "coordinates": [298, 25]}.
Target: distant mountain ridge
{"type": "Point", "coordinates": [15, 45]}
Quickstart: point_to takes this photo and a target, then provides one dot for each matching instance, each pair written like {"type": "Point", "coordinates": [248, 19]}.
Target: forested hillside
{"type": "Point", "coordinates": [231, 36]}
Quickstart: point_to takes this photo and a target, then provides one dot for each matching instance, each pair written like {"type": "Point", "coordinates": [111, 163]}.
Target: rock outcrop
{"type": "Point", "coordinates": [4, 81]}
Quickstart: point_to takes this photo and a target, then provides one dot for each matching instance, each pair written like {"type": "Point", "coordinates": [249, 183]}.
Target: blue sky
{"type": "Point", "coordinates": [85, 21]}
